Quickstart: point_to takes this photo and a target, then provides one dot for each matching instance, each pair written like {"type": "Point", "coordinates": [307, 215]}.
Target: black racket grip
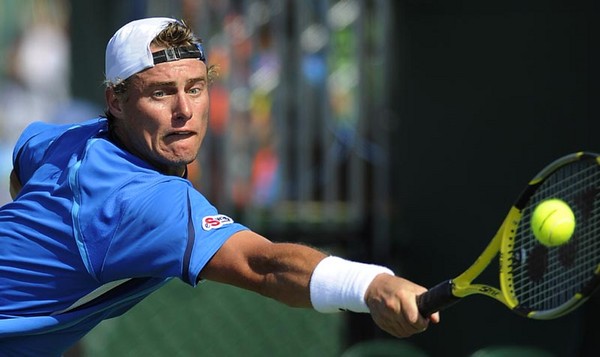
{"type": "Point", "coordinates": [436, 299]}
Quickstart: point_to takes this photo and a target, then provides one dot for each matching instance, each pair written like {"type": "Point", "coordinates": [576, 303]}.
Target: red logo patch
{"type": "Point", "coordinates": [214, 222]}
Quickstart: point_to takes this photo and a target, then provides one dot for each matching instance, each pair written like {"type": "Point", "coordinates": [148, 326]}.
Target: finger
{"type": "Point", "coordinates": [435, 318]}
{"type": "Point", "coordinates": [398, 326]}
{"type": "Point", "coordinates": [411, 323]}
{"type": "Point", "coordinates": [413, 316]}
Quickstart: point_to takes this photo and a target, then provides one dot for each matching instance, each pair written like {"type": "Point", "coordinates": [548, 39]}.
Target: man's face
{"type": "Point", "coordinates": [165, 117]}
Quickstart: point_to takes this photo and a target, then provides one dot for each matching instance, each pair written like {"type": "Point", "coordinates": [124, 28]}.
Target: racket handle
{"type": "Point", "coordinates": [437, 298]}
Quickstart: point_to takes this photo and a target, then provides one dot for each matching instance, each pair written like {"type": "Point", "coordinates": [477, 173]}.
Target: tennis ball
{"type": "Point", "coordinates": [553, 222]}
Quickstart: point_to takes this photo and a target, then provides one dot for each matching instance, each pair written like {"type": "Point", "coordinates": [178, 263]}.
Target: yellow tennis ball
{"type": "Point", "coordinates": [553, 222]}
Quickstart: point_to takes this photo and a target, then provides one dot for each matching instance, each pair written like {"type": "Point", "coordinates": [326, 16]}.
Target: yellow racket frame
{"type": "Point", "coordinates": [462, 284]}
{"type": "Point", "coordinates": [502, 245]}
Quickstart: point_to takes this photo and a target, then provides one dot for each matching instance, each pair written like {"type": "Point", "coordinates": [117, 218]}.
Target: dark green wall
{"type": "Point", "coordinates": [92, 25]}
{"type": "Point", "coordinates": [486, 95]}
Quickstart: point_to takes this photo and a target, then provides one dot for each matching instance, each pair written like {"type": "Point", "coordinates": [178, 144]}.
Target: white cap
{"type": "Point", "coordinates": [128, 51]}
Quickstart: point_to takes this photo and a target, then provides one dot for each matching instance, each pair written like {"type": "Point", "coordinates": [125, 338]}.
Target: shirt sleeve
{"type": "Point", "coordinates": [169, 230]}
{"type": "Point", "coordinates": [210, 230]}
{"type": "Point", "coordinates": [31, 148]}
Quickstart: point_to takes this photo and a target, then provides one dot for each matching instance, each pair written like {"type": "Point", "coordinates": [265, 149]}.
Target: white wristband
{"type": "Point", "coordinates": [338, 284]}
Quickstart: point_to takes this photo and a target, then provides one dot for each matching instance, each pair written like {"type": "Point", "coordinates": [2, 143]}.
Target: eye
{"type": "Point", "coordinates": [158, 93]}
{"type": "Point", "coordinates": [197, 89]}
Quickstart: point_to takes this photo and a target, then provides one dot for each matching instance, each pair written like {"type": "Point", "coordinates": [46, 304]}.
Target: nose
{"type": "Point", "coordinates": [182, 107]}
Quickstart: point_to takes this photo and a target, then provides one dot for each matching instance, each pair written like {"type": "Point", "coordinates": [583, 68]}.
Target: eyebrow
{"type": "Point", "coordinates": [173, 83]}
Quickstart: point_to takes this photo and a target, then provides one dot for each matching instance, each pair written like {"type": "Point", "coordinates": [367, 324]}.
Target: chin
{"type": "Point", "coordinates": [174, 162]}
{"type": "Point", "coordinates": [180, 162]}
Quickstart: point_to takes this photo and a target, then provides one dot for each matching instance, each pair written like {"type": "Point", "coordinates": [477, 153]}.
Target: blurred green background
{"type": "Point", "coordinates": [396, 132]}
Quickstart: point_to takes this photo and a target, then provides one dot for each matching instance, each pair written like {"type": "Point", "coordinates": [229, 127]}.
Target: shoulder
{"type": "Point", "coordinates": [44, 131]}
{"type": "Point", "coordinates": [41, 139]}
{"type": "Point", "coordinates": [42, 134]}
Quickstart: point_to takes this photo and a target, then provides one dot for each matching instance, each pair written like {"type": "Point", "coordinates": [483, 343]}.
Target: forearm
{"type": "Point", "coordinates": [286, 269]}
{"type": "Point", "coordinates": [281, 271]}
{"type": "Point", "coordinates": [331, 284]}
{"type": "Point", "coordinates": [301, 276]}
{"type": "Point", "coordinates": [294, 274]}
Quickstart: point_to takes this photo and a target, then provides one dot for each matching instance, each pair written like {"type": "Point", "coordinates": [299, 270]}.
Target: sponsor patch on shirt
{"type": "Point", "coordinates": [214, 222]}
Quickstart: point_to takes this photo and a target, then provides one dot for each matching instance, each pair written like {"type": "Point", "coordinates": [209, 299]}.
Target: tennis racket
{"type": "Point", "coordinates": [536, 281]}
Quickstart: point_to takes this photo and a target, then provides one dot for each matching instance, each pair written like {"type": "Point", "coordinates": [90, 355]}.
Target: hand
{"type": "Point", "coordinates": [393, 304]}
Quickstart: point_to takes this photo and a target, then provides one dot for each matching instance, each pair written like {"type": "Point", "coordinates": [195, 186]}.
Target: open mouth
{"type": "Point", "coordinates": [180, 134]}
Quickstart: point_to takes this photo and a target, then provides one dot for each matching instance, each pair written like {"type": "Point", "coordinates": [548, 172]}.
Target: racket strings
{"type": "Point", "coordinates": [544, 278]}
{"type": "Point", "coordinates": [561, 284]}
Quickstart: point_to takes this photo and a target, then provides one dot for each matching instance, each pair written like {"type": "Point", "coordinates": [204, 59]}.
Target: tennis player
{"type": "Point", "coordinates": [103, 214]}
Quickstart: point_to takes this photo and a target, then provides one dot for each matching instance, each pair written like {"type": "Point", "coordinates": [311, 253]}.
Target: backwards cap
{"type": "Point", "coordinates": [128, 51]}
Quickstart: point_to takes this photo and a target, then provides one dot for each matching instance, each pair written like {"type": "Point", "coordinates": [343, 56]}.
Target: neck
{"type": "Point", "coordinates": [169, 170]}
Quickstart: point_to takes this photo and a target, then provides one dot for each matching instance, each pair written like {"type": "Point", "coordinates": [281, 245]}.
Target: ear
{"type": "Point", "coordinates": [113, 103]}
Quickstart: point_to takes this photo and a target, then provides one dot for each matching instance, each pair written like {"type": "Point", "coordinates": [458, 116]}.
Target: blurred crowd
{"type": "Point", "coordinates": [34, 82]}
{"type": "Point", "coordinates": [284, 111]}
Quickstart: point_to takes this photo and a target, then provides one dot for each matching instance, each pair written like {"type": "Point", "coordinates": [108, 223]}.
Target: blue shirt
{"type": "Point", "coordinates": [92, 232]}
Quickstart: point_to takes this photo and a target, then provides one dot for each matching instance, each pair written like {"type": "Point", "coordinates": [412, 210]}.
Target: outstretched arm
{"type": "Point", "coordinates": [280, 271]}
{"type": "Point", "coordinates": [301, 276]}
